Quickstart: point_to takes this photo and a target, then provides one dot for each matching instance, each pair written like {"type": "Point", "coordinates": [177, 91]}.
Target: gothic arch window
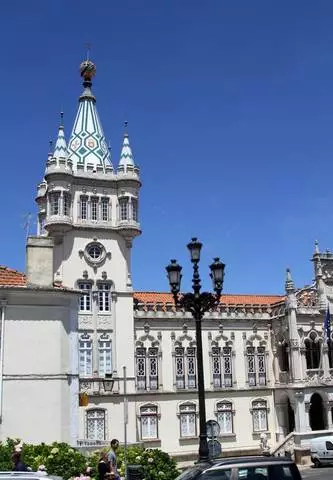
{"type": "Point", "coordinates": [147, 358]}
{"type": "Point", "coordinates": [312, 350]}
{"type": "Point", "coordinates": [95, 424]}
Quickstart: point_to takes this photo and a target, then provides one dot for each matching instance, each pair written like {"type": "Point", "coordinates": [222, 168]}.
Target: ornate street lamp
{"type": "Point", "coordinates": [108, 382]}
{"type": "Point", "coordinates": [198, 303]}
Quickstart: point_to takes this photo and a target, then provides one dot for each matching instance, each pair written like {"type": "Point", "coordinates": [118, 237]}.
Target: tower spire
{"type": "Point", "coordinates": [289, 285]}
{"type": "Point", "coordinates": [126, 155]}
{"type": "Point", "coordinates": [60, 149]}
{"type": "Point", "coordinates": [87, 147]}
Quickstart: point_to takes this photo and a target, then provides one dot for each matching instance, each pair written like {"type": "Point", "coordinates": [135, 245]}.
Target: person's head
{"type": "Point", "coordinates": [114, 444]}
{"type": "Point", "coordinates": [104, 457]}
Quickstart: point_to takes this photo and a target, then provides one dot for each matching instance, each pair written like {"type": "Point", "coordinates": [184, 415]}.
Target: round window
{"type": "Point", "coordinates": [94, 252]}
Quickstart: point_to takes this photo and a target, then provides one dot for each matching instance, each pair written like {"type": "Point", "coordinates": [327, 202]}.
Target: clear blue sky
{"type": "Point", "coordinates": [230, 110]}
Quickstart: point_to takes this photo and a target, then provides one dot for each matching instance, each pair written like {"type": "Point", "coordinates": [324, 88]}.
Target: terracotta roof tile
{"type": "Point", "coordinates": [226, 299]}
{"type": "Point", "coordinates": [8, 276]}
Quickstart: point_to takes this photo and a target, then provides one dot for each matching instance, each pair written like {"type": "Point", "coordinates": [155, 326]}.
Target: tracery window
{"type": "Point", "coordinates": [95, 420]}
{"type": "Point", "coordinates": [224, 416]}
{"type": "Point", "coordinates": [312, 351]}
{"type": "Point", "coordinates": [256, 365]}
{"type": "Point", "coordinates": [186, 367]}
{"type": "Point", "coordinates": [147, 368]}
{"type": "Point", "coordinates": [259, 414]}
{"type": "Point", "coordinates": [188, 420]}
{"type": "Point", "coordinates": [222, 367]}
{"type": "Point", "coordinates": [149, 422]}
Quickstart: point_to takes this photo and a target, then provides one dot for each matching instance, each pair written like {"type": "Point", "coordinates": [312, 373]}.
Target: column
{"type": "Point", "coordinates": [61, 203]}
{"type": "Point", "coordinates": [329, 415]}
{"type": "Point", "coordinates": [114, 332]}
{"type": "Point", "coordinates": [326, 365]}
{"type": "Point", "coordinates": [276, 367]}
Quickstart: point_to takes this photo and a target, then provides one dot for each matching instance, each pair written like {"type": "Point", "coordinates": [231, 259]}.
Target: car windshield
{"type": "Point", "coordinates": [190, 474]}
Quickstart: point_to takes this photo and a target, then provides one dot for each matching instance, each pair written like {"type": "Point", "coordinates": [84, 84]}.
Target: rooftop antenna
{"type": "Point", "coordinates": [27, 224]}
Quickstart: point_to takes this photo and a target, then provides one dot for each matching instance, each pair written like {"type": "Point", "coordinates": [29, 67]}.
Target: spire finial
{"type": "Point", "coordinates": [125, 127]}
{"type": "Point", "coordinates": [316, 250]}
{"type": "Point", "coordinates": [88, 47]}
{"type": "Point", "coordinates": [87, 70]}
{"type": "Point", "coordinates": [62, 119]}
{"type": "Point", "coordinates": [126, 156]}
{"type": "Point", "coordinates": [60, 149]}
{"type": "Point", "coordinates": [289, 285]}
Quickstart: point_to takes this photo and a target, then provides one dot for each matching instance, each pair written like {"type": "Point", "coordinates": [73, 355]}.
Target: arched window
{"type": "Point", "coordinates": [312, 351]}
{"type": "Point", "coordinates": [188, 420]}
{"type": "Point", "coordinates": [259, 414]}
{"type": "Point", "coordinates": [147, 368]}
{"type": "Point", "coordinates": [222, 366]}
{"type": "Point", "coordinates": [224, 416]}
{"type": "Point", "coordinates": [95, 424]}
{"type": "Point", "coordinates": [149, 422]}
{"type": "Point", "coordinates": [186, 367]}
{"type": "Point", "coordinates": [256, 365]}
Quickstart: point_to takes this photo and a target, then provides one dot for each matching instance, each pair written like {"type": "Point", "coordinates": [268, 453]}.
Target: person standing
{"type": "Point", "coordinates": [19, 465]}
{"type": "Point", "coordinates": [112, 458]}
{"type": "Point", "coordinates": [103, 466]}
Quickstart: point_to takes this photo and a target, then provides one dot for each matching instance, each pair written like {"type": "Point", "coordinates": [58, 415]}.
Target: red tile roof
{"type": "Point", "coordinates": [8, 276]}
{"type": "Point", "coordinates": [226, 299]}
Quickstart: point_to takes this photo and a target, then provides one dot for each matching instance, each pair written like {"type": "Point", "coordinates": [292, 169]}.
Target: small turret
{"type": "Point", "coordinates": [126, 162]}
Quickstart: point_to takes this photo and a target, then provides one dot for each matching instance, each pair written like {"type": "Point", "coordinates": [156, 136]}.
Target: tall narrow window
{"type": "Point", "coordinates": [94, 208]}
{"type": "Point", "coordinates": [104, 297]}
{"type": "Point", "coordinates": [96, 424]}
{"type": "Point", "coordinates": [330, 352]}
{"type": "Point", "coordinates": [283, 357]}
{"type": "Point", "coordinates": [227, 367]}
{"type": "Point", "coordinates": [85, 298]}
{"type": "Point", "coordinates": [188, 420]}
{"type": "Point", "coordinates": [55, 203]}
{"type": "Point", "coordinates": [312, 351]}
{"type": "Point", "coordinates": [123, 206]}
{"type": "Point", "coordinates": [104, 356]}
{"type": "Point", "coordinates": [141, 368]}
{"type": "Point", "coordinates": [85, 356]}
{"type": "Point", "coordinates": [149, 422]}
{"type": "Point", "coordinates": [84, 207]}
{"type": "Point", "coordinates": [191, 367]}
{"type": "Point", "coordinates": [224, 417]}
{"type": "Point", "coordinates": [259, 413]}
{"type": "Point", "coordinates": [261, 365]}
{"type": "Point", "coordinates": [251, 366]}
{"type": "Point", "coordinates": [134, 209]}
{"type": "Point", "coordinates": [216, 361]}
{"type": "Point", "coordinates": [105, 209]}
{"type": "Point", "coordinates": [67, 204]}
{"type": "Point", "coordinates": [180, 367]}
{"type": "Point", "coordinates": [153, 368]}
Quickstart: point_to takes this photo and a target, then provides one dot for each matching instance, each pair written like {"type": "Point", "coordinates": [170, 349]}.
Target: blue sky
{"type": "Point", "coordinates": [230, 110]}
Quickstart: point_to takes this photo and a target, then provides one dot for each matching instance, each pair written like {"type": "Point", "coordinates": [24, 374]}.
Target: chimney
{"type": "Point", "coordinates": [39, 261]}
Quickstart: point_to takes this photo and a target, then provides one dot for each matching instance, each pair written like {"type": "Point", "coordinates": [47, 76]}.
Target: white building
{"type": "Point", "coordinates": [264, 372]}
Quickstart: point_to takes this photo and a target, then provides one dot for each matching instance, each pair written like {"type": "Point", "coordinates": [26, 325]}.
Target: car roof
{"type": "Point", "coordinates": [250, 459]}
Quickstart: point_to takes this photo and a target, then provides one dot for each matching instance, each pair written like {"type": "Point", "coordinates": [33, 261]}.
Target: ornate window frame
{"type": "Point", "coordinates": [221, 341]}
{"type": "Point", "coordinates": [104, 337]}
{"type": "Point", "coordinates": [256, 408]}
{"type": "Point", "coordinates": [258, 355]}
{"type": "Point", "coordinates": [93, 410]}
{"type": "Point", "coordinates": [147, 342]}
{"type": "Point", "coordinates": [195, 411]}
{"type": "Point", "coordinates": [225, 401]}
{"type": "Point", "coordinates": [86, 337]}
{"type": "Point", "coordinates": [140, 415]}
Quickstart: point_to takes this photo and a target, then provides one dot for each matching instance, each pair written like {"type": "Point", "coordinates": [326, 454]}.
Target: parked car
{"type": "Point", "coordinates": [322, 450]}
{"type": "Point", "coordinates": [244, 468]}
{"type": "Point", "coordinates": [27, 476]}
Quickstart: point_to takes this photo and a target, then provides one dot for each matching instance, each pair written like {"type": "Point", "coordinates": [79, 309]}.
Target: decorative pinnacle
{"type": "Point", "coordinates": [319, 269]}
{"type": "Point", "coordinates": [87, 70]}
{"type": "Point", "coordinates": [289, 285]}
{"type": "Point", "coordinates": [125, 128]}
{"type": "Point", "coordinates": [61, 119]}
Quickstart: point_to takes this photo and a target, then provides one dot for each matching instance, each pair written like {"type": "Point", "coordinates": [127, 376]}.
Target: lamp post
{"type": "Point", "coordinates": [198, 303]}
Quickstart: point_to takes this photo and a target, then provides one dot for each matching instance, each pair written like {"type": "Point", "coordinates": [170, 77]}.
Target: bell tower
{"type": "Point", "coordinates": [90, 210]}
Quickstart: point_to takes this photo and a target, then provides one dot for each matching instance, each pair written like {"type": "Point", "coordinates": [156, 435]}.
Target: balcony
{"type": "Point", "coordinates": [58, 223]}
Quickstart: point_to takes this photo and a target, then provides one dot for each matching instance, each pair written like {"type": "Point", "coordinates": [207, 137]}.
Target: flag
{"type": "Point", "coordinates": [327, 325]}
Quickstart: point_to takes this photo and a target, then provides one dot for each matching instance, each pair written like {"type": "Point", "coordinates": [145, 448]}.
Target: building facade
{"type": "Point", "coordinates": [268, 368]}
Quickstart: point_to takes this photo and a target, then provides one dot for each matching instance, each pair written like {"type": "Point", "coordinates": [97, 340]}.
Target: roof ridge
{"type": "Point", "coordinates": [223, 294]}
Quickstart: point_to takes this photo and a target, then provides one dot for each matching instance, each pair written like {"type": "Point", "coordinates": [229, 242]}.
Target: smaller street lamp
{"type": "Point", "coordinates": [198, 303]}
{"type": "Point", "coordinates": [108, 383]}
